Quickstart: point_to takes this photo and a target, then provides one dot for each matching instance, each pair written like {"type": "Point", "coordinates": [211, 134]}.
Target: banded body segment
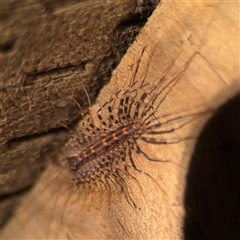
{"type": "Point", "coordinates": [99, 154]}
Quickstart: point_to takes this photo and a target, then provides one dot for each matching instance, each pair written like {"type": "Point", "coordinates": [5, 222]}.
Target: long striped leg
{"type": "Point", "coordinates": [126, 172]}
{"type": "Point", "coordinates": [107, 187]}
{"type": "Point", "coordinates": [126, 191]}
{"type": "Point", "coordinates": [115, 185]}
{"type": "Point", "coordinates": [138, 150]}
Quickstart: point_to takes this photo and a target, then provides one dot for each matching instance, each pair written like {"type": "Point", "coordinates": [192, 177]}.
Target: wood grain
{"type": "Point", "coordinates": [195, 43]}
{"type": "Point", "coordinates": [45, 59]}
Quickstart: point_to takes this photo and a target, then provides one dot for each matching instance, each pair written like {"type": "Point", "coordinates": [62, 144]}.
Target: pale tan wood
{"type": "Point", "coordinates": [194, 41]}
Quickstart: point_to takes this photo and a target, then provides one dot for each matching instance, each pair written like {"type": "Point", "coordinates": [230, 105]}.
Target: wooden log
{"type": "Point", "coordinates": [194, 45]}
{"type": "Point", "coordinates": [47, 58]}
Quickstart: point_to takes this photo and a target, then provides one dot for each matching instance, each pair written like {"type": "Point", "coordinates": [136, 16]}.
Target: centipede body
{"type": "Point", "coordinates": [102, 152]}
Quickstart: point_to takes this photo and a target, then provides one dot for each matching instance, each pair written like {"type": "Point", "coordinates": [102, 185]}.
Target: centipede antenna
{"type": "Point", "coordinates": [79, 106]}
{"type": "Point", "coordinates": [88, 98]}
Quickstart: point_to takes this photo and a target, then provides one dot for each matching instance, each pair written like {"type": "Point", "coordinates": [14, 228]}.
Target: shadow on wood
{"type": "Point", "coordinates": [212, 194]}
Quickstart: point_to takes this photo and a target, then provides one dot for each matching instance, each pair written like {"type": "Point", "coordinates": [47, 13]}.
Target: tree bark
{"type": "Point", "coordinates": [49, 52]}
{"type": "Point", "coordinates": [195, 46]}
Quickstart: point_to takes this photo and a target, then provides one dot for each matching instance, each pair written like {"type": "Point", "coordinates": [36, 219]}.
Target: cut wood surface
{"type": "Point", "coordinates": [45, 59]}
{"type": "Point", "coordinates": [194, 45]}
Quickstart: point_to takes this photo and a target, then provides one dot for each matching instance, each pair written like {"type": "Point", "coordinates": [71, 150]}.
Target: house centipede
{"type": "Point", "coordinates": [102, 155]}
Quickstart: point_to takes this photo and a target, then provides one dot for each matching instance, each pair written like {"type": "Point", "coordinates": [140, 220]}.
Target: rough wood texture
{"type": "Point", "coordinates": [45, 59]}
{"type": "Point", "coordinates": [195, 43]}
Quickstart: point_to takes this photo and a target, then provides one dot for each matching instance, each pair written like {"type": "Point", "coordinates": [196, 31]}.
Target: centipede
{"type": "Point", "coordinates": [101, 153]}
